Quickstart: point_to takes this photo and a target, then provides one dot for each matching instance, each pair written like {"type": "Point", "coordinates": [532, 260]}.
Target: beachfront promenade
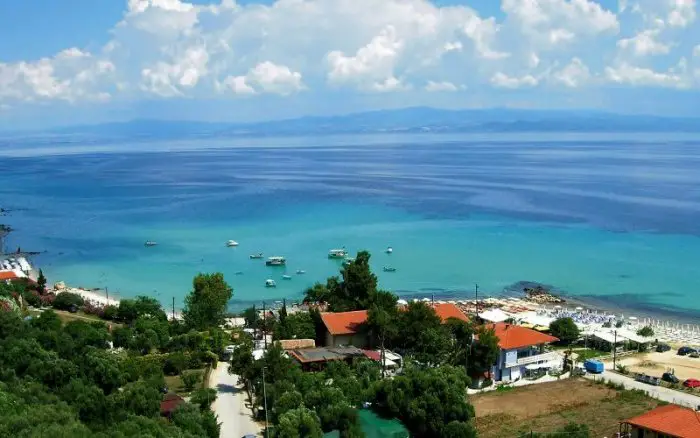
{"type": "Point", "coordinates": [657, 392]}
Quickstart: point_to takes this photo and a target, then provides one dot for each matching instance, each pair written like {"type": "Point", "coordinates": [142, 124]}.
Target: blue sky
{"type": "Point", "coordinates": [86, 61]}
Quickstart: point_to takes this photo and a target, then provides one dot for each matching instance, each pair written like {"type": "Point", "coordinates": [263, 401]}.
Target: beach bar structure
{"type": "Point", "coordinates": [669, 421]}
{"type": "Point", "coordinates": [522, 350]}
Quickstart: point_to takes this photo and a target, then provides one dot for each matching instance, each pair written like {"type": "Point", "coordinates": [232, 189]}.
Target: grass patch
{"type": "Point", "coordinates": [547, 407]}
{"type": "Point", "coordinates": [67, 317]}
{"type": "Point", "coordinates": [589, 354]}
{"type": "Point", "coordinates": [174, 383]}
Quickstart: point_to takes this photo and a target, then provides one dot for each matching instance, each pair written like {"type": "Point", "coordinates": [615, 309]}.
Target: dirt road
{"type": "Point", "coordinates": [230, 405]}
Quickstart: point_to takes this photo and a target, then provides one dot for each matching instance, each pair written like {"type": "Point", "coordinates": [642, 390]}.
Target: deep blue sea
{"type": "Point", "coordinates": [614, 218]}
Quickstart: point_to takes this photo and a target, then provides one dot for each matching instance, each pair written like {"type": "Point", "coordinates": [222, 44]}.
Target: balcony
{"type": "Point", "coordinates": [545, 357]}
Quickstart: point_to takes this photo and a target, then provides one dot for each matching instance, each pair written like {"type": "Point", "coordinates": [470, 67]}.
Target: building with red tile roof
{"type": "Point", "coordinates": [522, 350]}
{"type": "Point", "coordinates": [8, 276]}
{"type": "Point", "coordinates": [670, 421]}
{"type": "Point", "coordinates": [345, 328]}
{"type": "Point", "coordinates": [170, 403]}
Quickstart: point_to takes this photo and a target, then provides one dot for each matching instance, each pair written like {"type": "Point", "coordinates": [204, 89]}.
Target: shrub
{"type": "Point", "coordinates": [110, 312]}
{"type": "Point", "coordinates": [622, 369]}
{"type": "Point", "coordinates": [66, 300]}
{"type": "Point", "coordinates": [486, 383]}
{"type": "Point", "coordinates": [203, 397]}
{"type": "Point", "coordinates": [190, 379]}
{"type": "Point", "coordinates": [646, 331]}
{"type": "Point", "coordinates": [175, 363]}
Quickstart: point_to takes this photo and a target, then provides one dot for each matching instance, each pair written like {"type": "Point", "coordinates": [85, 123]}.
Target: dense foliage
{"type": "Point", "coordinates": [207, 304]}
{"type": "Point", "coordinates": [565, 329]}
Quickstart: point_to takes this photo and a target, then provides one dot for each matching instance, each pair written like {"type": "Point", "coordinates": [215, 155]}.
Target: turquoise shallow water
{"type": "Point", "coordinates": [613, 220]}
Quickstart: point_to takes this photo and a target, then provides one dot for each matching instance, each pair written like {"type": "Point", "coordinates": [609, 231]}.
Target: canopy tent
{"type": "Point", "coordinates": [494, 315]}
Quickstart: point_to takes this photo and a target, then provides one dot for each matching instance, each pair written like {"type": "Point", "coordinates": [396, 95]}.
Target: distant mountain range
{"type": "Point", "coordinates": [409, 120]}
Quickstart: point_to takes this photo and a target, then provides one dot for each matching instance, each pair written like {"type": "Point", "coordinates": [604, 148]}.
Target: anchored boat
{"type": "Point", "coordinates": [276, 261]}
{"type": "Point", "coordinates": [270, 283]}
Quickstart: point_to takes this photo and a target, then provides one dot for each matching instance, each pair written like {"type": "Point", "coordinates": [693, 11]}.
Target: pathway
{"type": "Point", "coordinates": [657, 392]}
{"type": "Point", "coordinates": [230, 405]}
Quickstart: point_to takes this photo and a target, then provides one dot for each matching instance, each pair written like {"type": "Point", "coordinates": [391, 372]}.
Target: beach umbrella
{"type": "Point", "coordinates": [633, 318]}
{"type": "Point", "coordinates": [579, 308]}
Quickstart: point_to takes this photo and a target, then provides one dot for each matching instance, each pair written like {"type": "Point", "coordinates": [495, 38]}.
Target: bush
{"type": "Point", "coordinates": [203, 397]}
{"type": "Point", "coordinates": [622, 369]}
{"type": "Point", "coordinates": [646, 331]}
{"type": "Point", "coordinates": [190, 379]}
{"type": "Point", "coordinates": [66, 300]}
{"type": "Point", "coordinates": [486, 383]}
{"type": "Point", "coordinates": [565, 329]}
{"type": "Point", "coordinates": [110, 312]}
{"type": "Point", "coordinates": [175, 363]}
{"type": "Point", "coordinates": [619, 324]}
{"type": "Point", "coordinates": [32, 298]}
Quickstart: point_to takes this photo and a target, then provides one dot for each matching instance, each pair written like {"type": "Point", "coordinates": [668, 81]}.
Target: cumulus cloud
{"type": "Point", "coordinates": [175, 49]}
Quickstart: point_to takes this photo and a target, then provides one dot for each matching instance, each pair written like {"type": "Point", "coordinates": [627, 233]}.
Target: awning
{"type": "Point", "coordinates": [494, 315]}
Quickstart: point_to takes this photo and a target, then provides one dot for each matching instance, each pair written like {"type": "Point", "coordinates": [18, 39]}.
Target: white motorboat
{"type": "Point", "coordinates": [231, 243]}
{"type": "Point", "coordinates": [256, 256]}
{"type": "Point", "coordinates": [270, 283]}
{"type": "Point", "coordinates": [389, 250]}
{"type": "Point", "coordinates": [286, 277]}
{"type": "Point", "coordinates": [150, 243]}
{"type": "Point", "coordinates": [389, 269]}
{"type": "Point", "coordinates": [301, 272]}
{"type": "Point", "coordinates": [337, 254]}
{"type": "Point", "coordinates": [276, 261]}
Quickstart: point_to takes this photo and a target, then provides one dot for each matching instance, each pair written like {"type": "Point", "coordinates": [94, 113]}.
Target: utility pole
{"type": "Point", "coordinates": [267, 425]}
{"type": "Point", "coordinates": [107, 293]}
{"type": "Point", "coordinates": [476, 299]}
{"type": "Point", "coordinates": [615, 352]}
{"type": "Point", "coordinates": [264, 321]}
{"type": "Point", "coordinates": [255, 322]}
{"type": "Point", "coordinates": [173, 308]}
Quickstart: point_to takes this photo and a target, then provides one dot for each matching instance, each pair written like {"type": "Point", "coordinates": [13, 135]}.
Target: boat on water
{"type": "Point", "coordinates": [231, 243]}
{"type": "Point", "coordinates": [256, 256]}
{"type": "Point", "coordinates": [150, 243]}
{"type": "Point", "coordinates": [389, 250]}
{"type": "Point", "coordinates": [286, 277]}
{"type": "Point", "coordinates": [270, 283]}
{"type": "Point", "coordinates": [348, 260]}
{"type": "Point", "coordinates": [301, 272]}
{"type": "Point", "coordinates": [389, 269]}
{"type": "Point", "coordinates": [337, 254]}
{"type": "Point", "coordinates": [276, 261]}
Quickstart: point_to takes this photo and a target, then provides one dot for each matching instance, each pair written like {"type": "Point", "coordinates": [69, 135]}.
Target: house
{"type": "Point", "coordinates": [169, 403]}
{"type": "Point", "coordinates": [345, 328]}
{"type": "Point", "coordinates": [521, 349]}
{"type": "Point", "coordinates": [669, 421]}
{"type": "Point", "coordinates": [312, 359]}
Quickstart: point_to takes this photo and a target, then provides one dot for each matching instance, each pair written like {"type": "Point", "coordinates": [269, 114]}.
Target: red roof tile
{"type": "Point", "coordinates": [671, 420]}
{"type": "Point", "coordinates": [513, 336]}
{"type": "Point", "coordinates": [344, 323]}
{"type": "Point", "coordinates": [170, 403]}
{"type": "Point", "coordinates": [8, 275]}
{"type": "Point", "coordinates": [374, 355]}
{"type": "Point", "coordinates": [449, 310]}
{"type": "Point", "coordinates": [347, 323]}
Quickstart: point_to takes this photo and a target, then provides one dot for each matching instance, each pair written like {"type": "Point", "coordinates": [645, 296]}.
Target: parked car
{"type": "Point", "coordinates": [692, 383]}
{"type": "Point", "coordinates": [683, 351]}
{"type": "Point", "coordinates": [694, 355]}
{"type": "Point", "coordinates": [670, 378]}
{"type": "Point", "coordinates": [660, 348]}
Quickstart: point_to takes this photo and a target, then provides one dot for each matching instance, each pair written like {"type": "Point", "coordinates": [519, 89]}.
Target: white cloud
{"type": "Point", "coordinates": [442, 86]}
{"type": "Point", "coordinates": [632, 75]}
{"type": "Point", "coordinates": [266, 77]}
{"type": "Point", "coordinates": [176, 49]}
{"type": "Point", "coordinates": [696, 51]}
{"type": "Point", "coordinates": [682, 12]}
{"type": "Point", "coordinates": [644, 43]}
{"type": "Point", "coordinates": [502, 80]}
{"type": "Point", "coordinates": [574, 75]}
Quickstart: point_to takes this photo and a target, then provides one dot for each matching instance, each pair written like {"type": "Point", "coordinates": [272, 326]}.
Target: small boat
{"type": "Point", "coordinates": [337, 254]}
{"type": "Point", "coordinates": [256, 256]}
{"type": "Point", "coordinates": [286, 277]}
{"type": "Point", "coordinates": [231, 243]}
{"type": "Point", "coordinates": [301, 272]}
{"type": "Point", "coordinates": [389, 250]}
{"type": "Point", "coordinates": [276, 261]}
{"type": "Point", "coordinates": [270, 283]}
{"type": "Point", "coordinates": [239, 273]}
{"type": "Point", "coordinates": [150, 243]}
{"type": "Point", "coordinates": [389, 269]}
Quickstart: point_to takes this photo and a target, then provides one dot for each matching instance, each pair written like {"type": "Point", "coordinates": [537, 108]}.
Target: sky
{"type": "Point", "coordinates": [86, 61]}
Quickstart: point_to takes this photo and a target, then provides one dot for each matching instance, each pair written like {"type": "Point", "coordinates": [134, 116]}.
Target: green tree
{"type": "Point", "coordinates": [484, 352]}
{"type": "Point", "coordinates": [190, 379]}
{"type": "Point", "coordinates": [204, 397]}
{"type": "Point", "coordinates": [206, 305]}
{"type": "Point", "coordinates": [565, 329]}
{"type": "Point", "coordinates": [646, 331]}
{"type": "Point", "coordinates": [251, 317]}
{"type": "Point", "coordinates": [41, 283]}
{"type": "Point", "coordinates": [142, 306]}
{"type": "Point", "coordinates": [199, 423]}
{"type": "Point", "coordinates": [459, 429]}
{"type": "Point", "coordinates": [67, 301]}
{"type": "Point", "coordinates": [299, 423]}
{"type": "Point", "coordinates": [123, 337]}
{"type": "Point", "coordinates": [419, 332]}
{"type": "Point", "coordinates": [87, 399]}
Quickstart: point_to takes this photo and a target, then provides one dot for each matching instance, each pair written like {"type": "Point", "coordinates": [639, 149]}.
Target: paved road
{"type": "Point", "coordinates": [657, 392]}
{"type": "Point", "coordinates": [230, 405]}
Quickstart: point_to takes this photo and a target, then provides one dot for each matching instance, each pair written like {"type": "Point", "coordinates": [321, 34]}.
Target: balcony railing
{"type": "Point", "coordinates": [545, 357]}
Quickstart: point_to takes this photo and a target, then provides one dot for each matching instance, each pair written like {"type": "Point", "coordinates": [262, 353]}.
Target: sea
{"type": "Point", "coordinates": [609, 218]}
